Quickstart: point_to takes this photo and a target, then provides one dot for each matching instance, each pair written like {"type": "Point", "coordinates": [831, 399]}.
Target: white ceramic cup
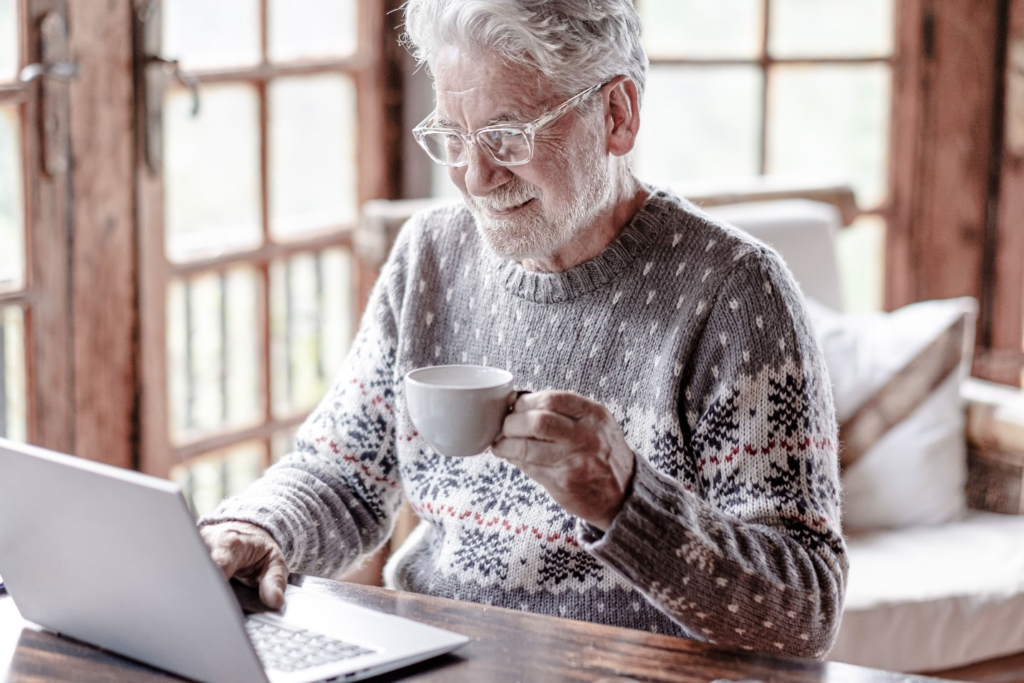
{"type": "Point", "coordinates": [459, 409]}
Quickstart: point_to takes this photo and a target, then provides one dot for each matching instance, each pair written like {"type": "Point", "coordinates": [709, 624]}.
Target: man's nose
{"type": "Point", "coordinates": [482, 173]}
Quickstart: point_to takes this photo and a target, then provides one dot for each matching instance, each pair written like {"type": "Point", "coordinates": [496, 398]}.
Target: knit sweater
{"type": "Point", "coordinates": [692, 334]}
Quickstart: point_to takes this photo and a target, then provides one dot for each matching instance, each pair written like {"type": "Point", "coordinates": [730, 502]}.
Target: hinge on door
{"type": "Point", "coordinates": [55, 70]}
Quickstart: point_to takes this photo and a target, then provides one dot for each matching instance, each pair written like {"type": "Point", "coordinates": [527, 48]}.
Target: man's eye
{"type": "Point", "coordinates": [502, 139]}
{"type": "Point", "coordinates": [493, 138]}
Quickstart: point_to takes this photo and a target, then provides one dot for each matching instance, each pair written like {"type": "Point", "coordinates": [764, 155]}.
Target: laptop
{"type": "Point", "coordinates": [113, 558]}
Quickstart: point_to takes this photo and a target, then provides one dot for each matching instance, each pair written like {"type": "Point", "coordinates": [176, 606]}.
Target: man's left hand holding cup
{"type": "Point", "coordinates": [574, 448]}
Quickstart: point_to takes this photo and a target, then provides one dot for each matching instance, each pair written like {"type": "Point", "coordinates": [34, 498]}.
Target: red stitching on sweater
{"type": "Point", "coordinates": [439, 510]}
{"type": "Point", "coordinates": [797, 446]}
{"type": "Point", "coordinates": [807, 443]}
{"type": "Point", "coordinates": [367, 471]}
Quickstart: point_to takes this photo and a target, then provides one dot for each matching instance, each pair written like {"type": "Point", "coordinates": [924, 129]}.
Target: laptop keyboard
{"type": "Point", "coordinates": [291, 649]}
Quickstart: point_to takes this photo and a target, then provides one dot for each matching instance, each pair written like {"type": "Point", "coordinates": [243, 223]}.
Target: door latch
{"type": "Point", "coordinates": [157, 74]}
{"type": "Point", "coordinates": [55, 71]}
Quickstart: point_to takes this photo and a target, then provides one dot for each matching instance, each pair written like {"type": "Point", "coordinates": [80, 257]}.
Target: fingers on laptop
{"type": "Point", "coordinates": [274, 581]}
{"type": "Point", "coordinates": [249, 554]}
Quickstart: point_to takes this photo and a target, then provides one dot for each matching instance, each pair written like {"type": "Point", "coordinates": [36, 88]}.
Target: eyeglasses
{"type": "Point", "coordinates": [507, 144]}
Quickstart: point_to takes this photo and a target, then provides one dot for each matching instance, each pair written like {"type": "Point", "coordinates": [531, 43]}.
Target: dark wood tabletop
{"type": "Point", "coordinates": [506, 646]}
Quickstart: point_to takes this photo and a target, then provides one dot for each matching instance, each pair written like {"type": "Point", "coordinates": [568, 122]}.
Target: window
{"type": "Point", "coordinates": [242, 256]}
{"type": "Point", "coordinates": [13, 294]}
{"type": "Point", "coordinates": [799, 88]}
{"type": "Point", "coordinates": [250, 287]}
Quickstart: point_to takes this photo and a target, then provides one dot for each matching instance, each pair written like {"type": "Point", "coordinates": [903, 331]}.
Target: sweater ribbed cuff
{"type": "Point", "coordinates": [635, 534]}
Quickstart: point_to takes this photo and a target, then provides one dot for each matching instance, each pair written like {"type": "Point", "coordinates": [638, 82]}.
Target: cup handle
{"type": "Point", "coordinates": [513, 397]}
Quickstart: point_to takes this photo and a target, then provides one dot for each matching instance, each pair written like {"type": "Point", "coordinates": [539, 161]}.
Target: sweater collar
{"type": "Point", "coordinates": [547, 288]}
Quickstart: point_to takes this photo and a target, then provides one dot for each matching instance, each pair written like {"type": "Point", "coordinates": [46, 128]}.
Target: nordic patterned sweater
{"type": "Point", "coordinates": [692, 334]}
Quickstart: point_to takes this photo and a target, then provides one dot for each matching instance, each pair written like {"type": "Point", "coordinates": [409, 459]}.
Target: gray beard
{"type": "Point", "coordinates": [536, 234]}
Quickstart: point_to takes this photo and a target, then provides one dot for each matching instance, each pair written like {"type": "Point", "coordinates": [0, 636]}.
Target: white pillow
{"type": "Point", "coordinates": [915, 474]}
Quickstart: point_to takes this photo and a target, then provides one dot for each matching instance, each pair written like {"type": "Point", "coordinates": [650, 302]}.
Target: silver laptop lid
{"type": "Point", "coordinates": [112, 557]}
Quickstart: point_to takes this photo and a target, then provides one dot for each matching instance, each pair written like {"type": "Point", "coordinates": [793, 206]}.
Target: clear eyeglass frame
{"type": "Point", "coordinates": [498, 140]}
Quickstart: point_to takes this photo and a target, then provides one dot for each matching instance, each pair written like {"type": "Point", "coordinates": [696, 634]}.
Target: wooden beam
{"type": "Point", "coordinates": [155, 456]}
{"type": "Point", "coordinates": [944, 84]}
{"type": "Point", "coordinates": [905, 144]}
{"type": "Point", "coordinates": [380, 118]}
{"type": "Point", "coordinates": [1004, 332]}
{"type": "Point", "coordinates": [104, 263]}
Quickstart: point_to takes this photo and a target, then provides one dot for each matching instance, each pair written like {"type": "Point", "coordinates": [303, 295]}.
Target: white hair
{"type": "Point", "coordinates": [574, 43]}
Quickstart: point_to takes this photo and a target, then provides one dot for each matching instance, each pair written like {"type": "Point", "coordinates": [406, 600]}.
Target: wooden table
{"type": "Point", "coordinates": [506, 646]}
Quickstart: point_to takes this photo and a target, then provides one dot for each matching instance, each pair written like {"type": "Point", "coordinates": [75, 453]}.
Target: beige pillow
{"type": "Point", "coordinates": [896, 380]}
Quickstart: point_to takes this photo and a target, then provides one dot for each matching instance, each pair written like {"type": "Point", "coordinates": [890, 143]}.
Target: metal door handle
{"type": "Point", "coordinates": [62, 71]}
{"type": "Point", "coordinates": [157, 73]}
{"type": "Point", "coordinates": [172, 69]}
{"type": "Point", "coordinates": [54, 69]}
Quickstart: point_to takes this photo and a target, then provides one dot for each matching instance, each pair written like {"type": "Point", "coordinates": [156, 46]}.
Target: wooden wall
{"type": "Point", "coordinates": [1006, 318]}
{"type": "Point", "coordinates": [957, 206]}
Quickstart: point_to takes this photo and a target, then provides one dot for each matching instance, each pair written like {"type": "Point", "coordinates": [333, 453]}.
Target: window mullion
{"type": "Point", "coordinates": [766, 67]}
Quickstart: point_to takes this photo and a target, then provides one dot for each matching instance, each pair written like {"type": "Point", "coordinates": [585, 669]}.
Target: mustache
{"type": "Point", "coordinates": [505, 197]}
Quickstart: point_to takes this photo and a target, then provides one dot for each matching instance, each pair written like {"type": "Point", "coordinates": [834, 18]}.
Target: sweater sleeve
{"type": "Point", "coordinates": [753, 555]}
{"type": "Point", "coordinates": [334, 499]}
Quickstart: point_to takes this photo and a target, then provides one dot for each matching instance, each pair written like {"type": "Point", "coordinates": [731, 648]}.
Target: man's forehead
{"type": "Point", "coordinates": [481, 84]}
{"type": "Point", "coordinates": [452, 107]}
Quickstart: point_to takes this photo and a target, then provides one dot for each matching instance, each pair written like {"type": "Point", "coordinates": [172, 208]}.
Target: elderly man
{"type": "Point", "coordinates": [675, 467]}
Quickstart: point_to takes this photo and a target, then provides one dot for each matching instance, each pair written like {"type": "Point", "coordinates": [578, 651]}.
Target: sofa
{"type": "Point", "coordinates": [946, 597]}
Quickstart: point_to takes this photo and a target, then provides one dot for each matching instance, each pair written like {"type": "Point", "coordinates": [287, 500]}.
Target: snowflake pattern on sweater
{"type": "Point", "coordinates": [692, 334]}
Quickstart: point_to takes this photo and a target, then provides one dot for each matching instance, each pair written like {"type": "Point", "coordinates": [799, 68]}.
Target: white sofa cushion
{"type": "Point", "coordinates": [935, 597]}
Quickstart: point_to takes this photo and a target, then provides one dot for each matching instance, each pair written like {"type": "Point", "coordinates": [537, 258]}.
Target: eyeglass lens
{"type": "Point", "coordinates": [505, 146]}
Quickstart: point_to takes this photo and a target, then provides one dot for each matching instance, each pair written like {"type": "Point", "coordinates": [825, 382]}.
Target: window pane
{"type": "Point", "coordinates": [282, 443]}
{"type": "Point", "coordinates": [13, 420]}
{"type": "Point", "coordinates": [208, 479]}
{"type": "Point", "coordinates": [311, 326]}
{"type": "Point", "coordinates": [699, 123]}
{"type": "Point", "coordinates": [312, 154]}
{"type": "Point", "coordinates": [861, 249]}
{"type": "Point", "coordinates": [828, 28]}
{"type": "Point", "coordinates": [12, 202]}
{"type": "Point", "coordinates": [212, 167]}
{"type": "Point", "coordinates": [207, 34]}
{"type": "Point", "coordinates": [311, 28]}
{"type": "Point", "coordinates": [213, 353]}
{"type": "Point", "coordinates": [699, 28]}
{"type": "Point", "coordinates": [8, 40]}
{"type": "Point", "coordinates": [832, 121]}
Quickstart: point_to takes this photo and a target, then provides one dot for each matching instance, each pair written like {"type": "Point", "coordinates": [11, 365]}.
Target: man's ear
{"type": "Point", "coordinates": [622, 120]}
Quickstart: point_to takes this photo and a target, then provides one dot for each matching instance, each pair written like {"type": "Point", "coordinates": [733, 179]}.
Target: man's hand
{"type": "Point", "coordinates": [574, 448]}
{"type": "Point", "coordinates": [250, 554]}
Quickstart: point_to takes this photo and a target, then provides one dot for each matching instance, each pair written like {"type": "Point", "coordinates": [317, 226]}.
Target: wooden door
{"type": "Point", "coordinates": [36, 346]}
